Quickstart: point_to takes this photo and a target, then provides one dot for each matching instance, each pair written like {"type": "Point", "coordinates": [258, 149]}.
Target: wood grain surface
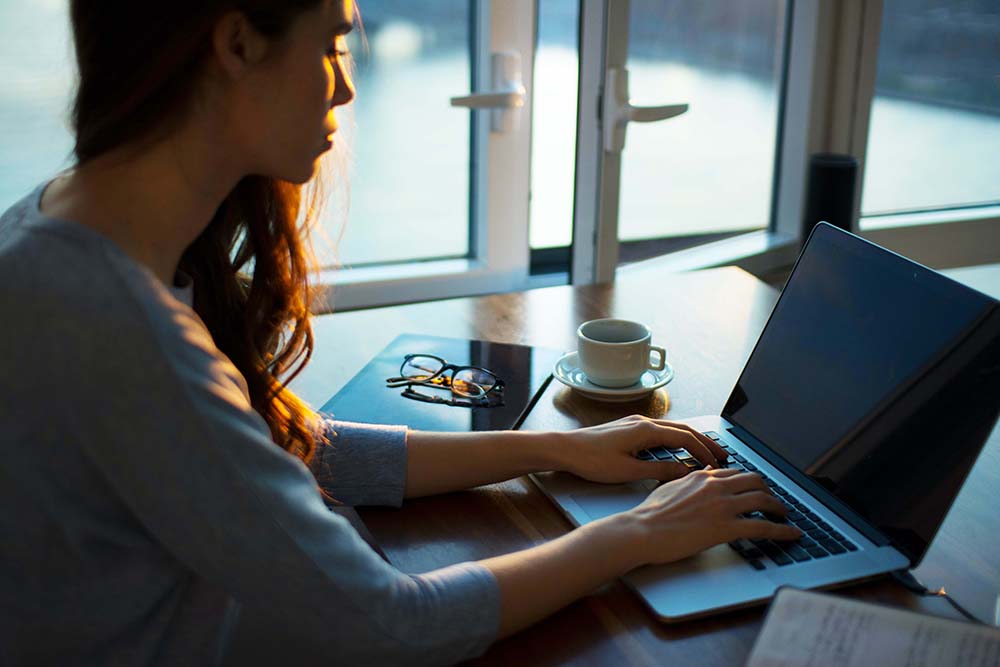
{"type": "Point", "coordinates": [708, 321]}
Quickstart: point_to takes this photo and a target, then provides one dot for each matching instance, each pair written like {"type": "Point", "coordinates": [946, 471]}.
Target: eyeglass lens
{"type": "Point", "coordinates": [472, 382]}
{"type": "Point", "coordinates": [420, 367]}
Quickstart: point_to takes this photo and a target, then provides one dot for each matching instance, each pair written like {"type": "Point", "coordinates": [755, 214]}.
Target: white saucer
{"type": "Point", "coordinates": [567, 370]}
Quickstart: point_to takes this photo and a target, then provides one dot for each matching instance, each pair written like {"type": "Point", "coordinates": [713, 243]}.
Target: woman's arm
{"type": "Point", "coordinates": [677, 520]}
{"type": "Point", "coordinates": [442, 462]}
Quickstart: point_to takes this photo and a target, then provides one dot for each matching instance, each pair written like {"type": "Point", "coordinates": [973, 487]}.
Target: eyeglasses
{"type": "Point", "coordinates": [479, 386]}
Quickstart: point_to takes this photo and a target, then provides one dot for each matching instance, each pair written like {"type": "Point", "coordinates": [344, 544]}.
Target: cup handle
{"type": "Point", "coordinates": [663, 358]}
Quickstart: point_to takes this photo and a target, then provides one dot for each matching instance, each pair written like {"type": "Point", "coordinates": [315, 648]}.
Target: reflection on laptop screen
{"type": "Point", "coordinates": [879, 379]}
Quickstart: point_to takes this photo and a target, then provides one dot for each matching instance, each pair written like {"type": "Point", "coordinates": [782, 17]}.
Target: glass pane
{"type": "Point", "coordinates": [710, 170]}
{"type": "Point", "coordinates": [37, 70]}
{"type": "Point", "coordinates": [934, 135]}
{"type": "Point", "coordinates": [409, 161]}
{"type": "Point", "coordinates": [421, 367]}
{"type": "Point", "coordinates": [553, 117]}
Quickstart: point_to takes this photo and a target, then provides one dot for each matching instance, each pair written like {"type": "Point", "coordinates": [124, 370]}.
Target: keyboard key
{"type": "Point", "coordinates": [848, 545]}
{"type": "Point", "coordinates": [794, 516]}
{"type": "Point", "coordinates": [779, 491]}
{"type": "Point", "coordinates": [661, 454]}
{"type": "Point", "coordinates": [739, 546]}
{"type": "Point", "coordinates": [802, 524]}
{"type": "Point", "coordinates": [773, 551]}
{"type": "Point", "coordinates": [824, 525]}
{"type": "Point", "coordinates": [798, 553]}
{"type": "Point", "coordinates": [805, 542]}
{"type": "Point", "coordinates": [817, 552]}
{"type": "Point", "coordinates": [644, 455]}
{"type": "Point", "coordinates": [749, 466]}
{"type": "Point", "coordinates": [740, 458]}
{"type": "Point", "coordinates": [757, 565]}
{"type": "Point", "coordinates": [794, 502]}
{"type": "Point", "coordinates": [780, 557]}
{"type": "Point", "coordinates": [753, 553]}
{"type": "Point", "coordinates": [837, 536]}
{"type": "Point", "coordinates": [712, 434]}
{"type": "Point", "coordinates": [832, 547]}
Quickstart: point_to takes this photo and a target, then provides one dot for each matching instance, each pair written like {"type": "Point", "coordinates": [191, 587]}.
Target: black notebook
{"type": "Point", "coordinates": [525, 371]}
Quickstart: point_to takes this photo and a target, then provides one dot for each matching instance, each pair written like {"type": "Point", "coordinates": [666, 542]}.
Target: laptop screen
{"type": "Point", "coordinates": [877, 378]}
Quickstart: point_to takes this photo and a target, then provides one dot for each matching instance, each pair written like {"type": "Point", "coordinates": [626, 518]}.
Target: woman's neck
{"type": "Point", "coordinates": [152, 202]}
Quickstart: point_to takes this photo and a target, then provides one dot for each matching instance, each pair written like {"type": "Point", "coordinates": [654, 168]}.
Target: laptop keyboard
{"type": "Point", "coordinates": [819, 539]}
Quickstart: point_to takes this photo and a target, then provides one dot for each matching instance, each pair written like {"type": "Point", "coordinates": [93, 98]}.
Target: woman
{"type": "Point", "coordinates": [157, 475]}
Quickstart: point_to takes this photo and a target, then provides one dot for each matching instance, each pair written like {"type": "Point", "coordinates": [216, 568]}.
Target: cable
{"type": "Point", "coordinates": [910, 583]}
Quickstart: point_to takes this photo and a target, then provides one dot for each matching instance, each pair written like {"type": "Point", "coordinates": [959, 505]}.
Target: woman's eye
{"type": "Point", "coordinates": [337, 50]}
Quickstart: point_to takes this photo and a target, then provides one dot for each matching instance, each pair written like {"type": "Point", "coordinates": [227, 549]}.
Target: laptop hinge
{"type": "Point", "coordinates": [858, 522]}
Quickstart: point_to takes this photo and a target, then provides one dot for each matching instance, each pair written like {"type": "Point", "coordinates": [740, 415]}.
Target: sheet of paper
{"type": "Point", "coordinates": [805, 628]}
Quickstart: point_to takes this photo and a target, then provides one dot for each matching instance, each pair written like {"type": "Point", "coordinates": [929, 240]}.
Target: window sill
{"type": "Point", "coordinates": [980, 213]}
{"type": "Point", "coordinates": [758, 252]}
{"type": "Point", "coordinates": [373, 286]}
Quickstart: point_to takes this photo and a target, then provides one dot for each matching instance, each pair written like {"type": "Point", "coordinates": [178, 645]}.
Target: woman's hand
{"type": "Point", "coordinates": [689, 515]}
{"type": "Point", "coordinates": [606, 453]}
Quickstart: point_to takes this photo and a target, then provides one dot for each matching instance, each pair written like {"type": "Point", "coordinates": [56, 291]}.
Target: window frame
{"type": "Point", "coordinates": [827, 93]}
{"type": "Point", "coordinates": [827, 89]}
{"type": "Point", "coordinates": [498, 259]}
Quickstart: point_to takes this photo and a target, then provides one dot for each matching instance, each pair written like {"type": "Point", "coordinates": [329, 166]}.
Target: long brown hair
{"type": "Point", "coordinates": [138, 67]}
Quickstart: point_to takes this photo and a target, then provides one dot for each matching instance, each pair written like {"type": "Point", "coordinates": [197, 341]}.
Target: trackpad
{"type": "Point", "coordinates": [600, 503]}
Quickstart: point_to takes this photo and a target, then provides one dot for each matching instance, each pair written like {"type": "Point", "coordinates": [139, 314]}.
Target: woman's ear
{"type": "Point", "coordinates": [237, 45]}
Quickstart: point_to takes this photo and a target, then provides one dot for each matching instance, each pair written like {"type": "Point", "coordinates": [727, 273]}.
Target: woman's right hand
{"type": "Point", "coordinates": [702, 509]}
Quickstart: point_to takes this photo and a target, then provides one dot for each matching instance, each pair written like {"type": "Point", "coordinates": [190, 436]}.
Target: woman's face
{"type": "Point", "coordinates": [288, 121]}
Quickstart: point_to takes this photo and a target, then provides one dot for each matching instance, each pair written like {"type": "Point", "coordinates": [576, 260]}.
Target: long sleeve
{"type": "Point", "coordinates": [363, 464]}
{"type": "Point", "coordinates": [147, 495]}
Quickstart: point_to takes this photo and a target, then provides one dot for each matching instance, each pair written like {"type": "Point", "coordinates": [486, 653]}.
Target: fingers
{"type": "Point", "coordinates": [711, 445]}
{"type": "Point", "coordinates": [761, 501]}
{"type": "Point", "coordinates": [741, 482]}
{"type": "Point", "coordinates": [680, 437]}
{"type": "Point", "coordinates": [758, 529]}
{"type": "Point", "coordinates": [664, 470]}
{"type": "Point", "coordinates": [714, 447]}
{"type": "Point", "coordinates": [699, 445]}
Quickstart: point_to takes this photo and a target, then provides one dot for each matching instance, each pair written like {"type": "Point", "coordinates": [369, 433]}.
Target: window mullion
{"type": "Point", "coordinates": [502, 216]}
{"type": "Point", "coordinates": [603, 43]}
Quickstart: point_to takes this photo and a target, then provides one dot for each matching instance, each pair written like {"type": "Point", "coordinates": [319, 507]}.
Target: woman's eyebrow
{"type": "Point", "coordinates": [342, 28]}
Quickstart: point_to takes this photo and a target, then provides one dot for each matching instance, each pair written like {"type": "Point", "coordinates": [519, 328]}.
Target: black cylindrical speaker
{"type": "Point", "coordinates": [830, 192]}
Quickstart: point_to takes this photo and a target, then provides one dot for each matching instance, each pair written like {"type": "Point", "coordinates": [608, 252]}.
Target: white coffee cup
{"type": "Point", "coordinates": [615, 353]}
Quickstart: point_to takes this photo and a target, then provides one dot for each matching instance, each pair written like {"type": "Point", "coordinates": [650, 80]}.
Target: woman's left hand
{"type": "Point", "coordinates": [606, 453]}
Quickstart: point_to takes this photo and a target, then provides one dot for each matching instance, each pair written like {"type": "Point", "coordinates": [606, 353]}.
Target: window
{"type": "Point", "coordinates": [553, 137]}
{"type": "Point", "coordinates": [411, 151]}
{"type": "Point", "coordinates": [934, 134]}
{"type": "Point", "coordinates": [446, 202]}
{"type": "Point", "coordinates": [710, 170]}
{"type": "Point", "coordinates": [36, 67]}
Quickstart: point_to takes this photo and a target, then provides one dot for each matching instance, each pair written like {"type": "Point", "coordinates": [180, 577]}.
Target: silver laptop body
{"type": "Point", "coordinates": [861, 540]}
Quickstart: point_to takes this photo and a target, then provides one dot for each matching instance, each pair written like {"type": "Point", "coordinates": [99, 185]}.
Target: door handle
{"type": "Point", "coordinates": [507, 95]}
{"type": "Point", "coordinates": [618, 112]}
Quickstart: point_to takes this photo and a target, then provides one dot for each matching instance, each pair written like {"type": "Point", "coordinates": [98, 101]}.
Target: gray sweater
{"type": "Point", "coordinates": [143, 503]}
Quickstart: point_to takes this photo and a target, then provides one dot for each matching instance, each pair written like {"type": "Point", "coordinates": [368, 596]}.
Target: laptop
{"type": "Point", "coordinates": [864, 404]}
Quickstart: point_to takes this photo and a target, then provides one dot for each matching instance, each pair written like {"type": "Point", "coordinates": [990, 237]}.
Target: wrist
{"type": "Point", "coordinates": [622, 539]}
{"type": "Point", "coordinates": [557, 449]}
{"type": "Point", "coordinates": [541, 451]}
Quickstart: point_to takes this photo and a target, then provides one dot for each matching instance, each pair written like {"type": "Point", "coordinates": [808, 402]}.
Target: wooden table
{"type": "Point", "coordinates": [709, 321]}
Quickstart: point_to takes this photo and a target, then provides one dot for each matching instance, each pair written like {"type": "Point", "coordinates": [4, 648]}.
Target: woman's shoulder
{"type": "Point", "coordinates": [47, 260]}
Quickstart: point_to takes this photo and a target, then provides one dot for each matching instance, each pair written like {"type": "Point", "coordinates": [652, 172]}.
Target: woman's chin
{"type": "Point", "coordinates": [303, 174]}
